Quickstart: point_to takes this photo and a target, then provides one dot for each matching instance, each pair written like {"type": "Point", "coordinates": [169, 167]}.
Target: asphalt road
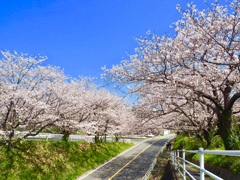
{"type": "Point", "coordinates": [132, 164]}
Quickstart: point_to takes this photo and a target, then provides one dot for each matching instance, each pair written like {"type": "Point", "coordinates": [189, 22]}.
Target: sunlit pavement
{"type": "Point", "coordinates": [131, 164]}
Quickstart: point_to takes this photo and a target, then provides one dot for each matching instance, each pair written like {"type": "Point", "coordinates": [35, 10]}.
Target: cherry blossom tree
{"type": "Point", "coordinates": [36, 98]}
{"type": "Point", "coordinates": [28, 100]}
{"type": "Point", "coordinates": [208, 47]}
{"type": "Point", "coordinates": [177, 110]}
{"type": "Point", "coordinates": [75, 105]}
{"type": "Point", "coordinates": [201, 61]}
{"type": "Point", "coordinates": [110, 115]}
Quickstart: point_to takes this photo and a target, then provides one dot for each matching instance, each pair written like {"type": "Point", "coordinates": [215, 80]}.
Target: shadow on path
{"type": "Point", "coordinates": [169, 172]}
{"type": "Point", "coordinates": [164, 169]}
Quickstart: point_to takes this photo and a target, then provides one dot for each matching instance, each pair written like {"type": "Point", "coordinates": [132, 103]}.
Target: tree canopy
{"type": "Point", "coordinates": [194, 75]}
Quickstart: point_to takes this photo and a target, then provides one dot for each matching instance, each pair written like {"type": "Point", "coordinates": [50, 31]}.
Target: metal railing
{"type": "Point", "coordinates": [146, 176]}
{"type": "Point", "coordinates": [180, 162]}
{"type": "Point", "coordinates": [150, 169]}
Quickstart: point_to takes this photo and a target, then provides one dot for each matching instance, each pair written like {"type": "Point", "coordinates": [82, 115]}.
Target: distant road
{"type": "Point", "coordinates": [132, 164]}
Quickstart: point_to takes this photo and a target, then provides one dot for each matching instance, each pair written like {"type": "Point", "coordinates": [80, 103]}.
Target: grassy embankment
{"type": "Point", "coordinates": [54, 159]}
{"type": "Point", "coordinates": [193, 143]}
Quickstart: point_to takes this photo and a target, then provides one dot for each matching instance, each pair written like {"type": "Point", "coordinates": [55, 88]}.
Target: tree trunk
{"type": "Point", "coordinates": [224, 127]}
{"type": "Point", "coordinates": [66, 135]}
{"type": "Point", "coordinates": [105, 137]}
{"type": "Point", "coordinates": [116, 137]}
{"type": "Point", "coordinates": [207, 136]}
{"type": "Point", "coordinates": [97, 138]}
{"type": "Point", "coordinates": [10, 143]}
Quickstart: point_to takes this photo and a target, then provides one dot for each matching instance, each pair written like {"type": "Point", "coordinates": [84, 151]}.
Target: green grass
{"type": "Point", "coordinates": [54, 159]}
{"type": "Point", "coordinates": [228, 162]}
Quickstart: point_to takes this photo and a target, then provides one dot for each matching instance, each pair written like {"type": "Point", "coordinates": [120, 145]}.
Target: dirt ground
{"type": "Point", "coordinates": [163, 168]}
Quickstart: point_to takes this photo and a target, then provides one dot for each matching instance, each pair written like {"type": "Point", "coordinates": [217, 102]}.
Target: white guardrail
{"type": "Point", "coordinates": [150, 169]}
{"type": "Point", "coordinates": [72, 137]}
{"type": "Point", "coordinates": [180, 162]}
{"type": "Point", "coordinates": [146, 176]}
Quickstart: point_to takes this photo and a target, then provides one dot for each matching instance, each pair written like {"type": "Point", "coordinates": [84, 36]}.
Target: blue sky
{"type": "Point", "coordinates": [81, 36]}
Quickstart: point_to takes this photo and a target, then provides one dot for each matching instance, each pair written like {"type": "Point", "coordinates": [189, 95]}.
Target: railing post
{"type": "Point", "coordinates": [201, 153]}
{"type": "Point", "coordinates": [173, 157]}
{"type": "Point", "coordinates": [184, 165]}
{"type": "Point", "coordinates": [177, 159]}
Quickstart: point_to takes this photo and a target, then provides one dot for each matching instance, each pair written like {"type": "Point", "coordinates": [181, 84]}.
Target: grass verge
{"type": "Point", "coordinates": [193, 143]}
{"type": "Point", "coordinates": [55, 159]}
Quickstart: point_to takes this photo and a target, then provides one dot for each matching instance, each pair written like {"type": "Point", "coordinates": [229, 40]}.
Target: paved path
{"type": "Point", "coordinates": [132, 164]}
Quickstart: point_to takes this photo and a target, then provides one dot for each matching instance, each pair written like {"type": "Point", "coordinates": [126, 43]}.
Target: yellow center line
{"type": "Point", "coordinates": [131, 161]}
